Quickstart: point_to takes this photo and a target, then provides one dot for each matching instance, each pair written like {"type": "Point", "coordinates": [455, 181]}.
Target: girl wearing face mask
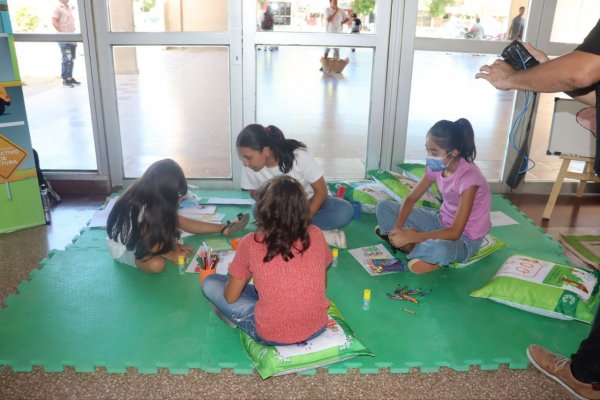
{"type": "Point", "coordinates": [434, 239]}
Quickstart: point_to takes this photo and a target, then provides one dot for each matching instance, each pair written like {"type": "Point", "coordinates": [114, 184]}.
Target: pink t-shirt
{"type": "Point", "coordinates": [292, 303]}
{"type": "Point", "coordinates": [451, 187]}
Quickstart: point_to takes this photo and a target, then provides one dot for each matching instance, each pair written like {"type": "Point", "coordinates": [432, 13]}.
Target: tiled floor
{"type": "Point", "coordinates": [178, 106]}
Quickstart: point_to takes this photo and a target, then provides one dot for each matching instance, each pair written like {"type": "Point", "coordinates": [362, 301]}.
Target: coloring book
{"type": "Point", "coordinates": [370, 257]}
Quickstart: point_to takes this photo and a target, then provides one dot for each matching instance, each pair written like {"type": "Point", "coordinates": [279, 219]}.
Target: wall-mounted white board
{"type": "Point", "coordinates": [567, 136]}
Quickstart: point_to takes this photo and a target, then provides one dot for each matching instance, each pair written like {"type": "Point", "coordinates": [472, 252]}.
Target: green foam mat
{"type": "Point", "coordinates": [84, 310]}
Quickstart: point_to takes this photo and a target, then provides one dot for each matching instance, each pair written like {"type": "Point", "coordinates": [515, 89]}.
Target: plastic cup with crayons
{"type": "Point", "coordinates": [206, 272]}
{"type": "Point", "coordinates": [207, 262]}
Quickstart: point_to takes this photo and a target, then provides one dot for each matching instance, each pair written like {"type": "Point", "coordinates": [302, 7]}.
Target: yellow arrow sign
{"type": "Point", "coordinates": [11, 156]}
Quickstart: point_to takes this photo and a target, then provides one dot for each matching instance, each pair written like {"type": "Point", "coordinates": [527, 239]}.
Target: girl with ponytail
{"type": "Point", "coordinates": [266, 153]}
{"type": "Point", "coordinates": [435, 239]}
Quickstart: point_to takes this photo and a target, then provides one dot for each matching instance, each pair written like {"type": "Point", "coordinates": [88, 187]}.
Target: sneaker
{"type": "Point", "coordinates": [381, 236]}
{"type": "Point", "coordinates": [558, 368]}
{"type": "Point", "coordinates": [73, 81]}
{"type": "Point", "coordinates": [385, 238]}
{"type": "Point", "coordinates": [335, 238]}
{"type": "Point", "coordinates": [67, 83]}
{"type": "Point", "coordinates": [221, 316]}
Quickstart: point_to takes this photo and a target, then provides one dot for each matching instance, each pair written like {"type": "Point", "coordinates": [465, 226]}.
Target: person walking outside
{"type": "Point", "coordinates": [63, 21]}
{"type": "Point", "coordinates": [517, 26]}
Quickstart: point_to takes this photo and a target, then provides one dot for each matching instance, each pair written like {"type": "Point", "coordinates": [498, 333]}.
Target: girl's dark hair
{"type": "Point", "coordinates": [457, 135]}
{"type": "Point", "coordinates": [282, 216]}
{"type": "Point", "coordinates": [257, 137]}
{"type": "Point", "coordinates": [144, 218]}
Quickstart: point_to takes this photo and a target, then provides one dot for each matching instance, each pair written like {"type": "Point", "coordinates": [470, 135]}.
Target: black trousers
{"type": "Point", "coordinates": [585, 364]}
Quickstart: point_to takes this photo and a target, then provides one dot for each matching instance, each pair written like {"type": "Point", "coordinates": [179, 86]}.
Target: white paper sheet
{"type": "Point", "coordinates": [224, 200]}
{"type": "Point", "coordinates": [100, 217]}
{"type": "Point", "coordinates": [215, 218]}
{"type": "Point", "coordinates": [498, 218]}
{"type": "Point", "coordinates": [199, 209]}
{"type": "Point", "coordinates": [333, 337]}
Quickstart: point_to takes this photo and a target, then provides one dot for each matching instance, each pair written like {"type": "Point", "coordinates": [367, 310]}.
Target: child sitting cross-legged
{"type": "Point", "coordinates": [287, 259]}
{"type": "Point", "coordinates": [435, 239]}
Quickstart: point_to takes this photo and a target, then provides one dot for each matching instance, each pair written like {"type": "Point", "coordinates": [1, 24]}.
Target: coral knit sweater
{"type": "Point", "coordinates": [292, 304]}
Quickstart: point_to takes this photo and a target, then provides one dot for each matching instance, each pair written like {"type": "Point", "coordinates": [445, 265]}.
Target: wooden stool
{"type": "Point", "coordinates": [587, 175]}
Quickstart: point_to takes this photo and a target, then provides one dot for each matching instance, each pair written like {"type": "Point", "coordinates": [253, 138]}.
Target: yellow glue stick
{"type": "Point", "coordinates": [335, 252]}
{"type": "Point", "coordinates": [181, 264]}
{"type": "Point", "coordinates": [366, 299]}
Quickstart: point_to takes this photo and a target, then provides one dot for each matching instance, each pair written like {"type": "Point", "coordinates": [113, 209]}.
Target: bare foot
{"type": "Point", "coordinates": [421, 267]}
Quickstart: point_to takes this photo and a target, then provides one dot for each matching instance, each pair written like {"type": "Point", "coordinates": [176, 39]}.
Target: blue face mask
{"type": "Point", "coordinates": [436, 163]}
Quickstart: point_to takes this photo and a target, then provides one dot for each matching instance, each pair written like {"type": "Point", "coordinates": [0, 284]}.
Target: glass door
{"type": "Point", "coordinates": [444, 48]}
{"type": "Point", "coordinates": [55, 60]}
{"type": "Point", "coordinates": [179, 84]}
{"type": "Point", "coordinates": [334, 106]}
{"type": "Point", "coordinates": [172, 85]}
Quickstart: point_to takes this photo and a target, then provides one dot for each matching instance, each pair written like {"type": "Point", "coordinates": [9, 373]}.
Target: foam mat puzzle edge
{"type": "Point", "coordinates": [206, 359]}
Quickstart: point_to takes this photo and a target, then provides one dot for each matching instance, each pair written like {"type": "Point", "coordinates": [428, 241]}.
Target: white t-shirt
{"type": "Point", "coordinates": [116, 248]}
{"type": "Point", "coordinates": [305, 169]}
{"type": "Point", "coordinates": [335, 25]}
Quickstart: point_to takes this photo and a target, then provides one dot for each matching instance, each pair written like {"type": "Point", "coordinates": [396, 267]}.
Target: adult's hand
{"type": "Point", "coordinates": [539, 55]}
{"type": "Point", "coordinates": [497, 74]}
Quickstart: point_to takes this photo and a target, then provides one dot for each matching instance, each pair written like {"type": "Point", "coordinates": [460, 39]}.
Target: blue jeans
{"type": "Point", "coordinates": [68, 59]}
{"type": "Point", "coordinates": [433, 251]}
{"type": "Point", "coordinates": [241, 312]}
{"type": "Point", "coordinates": [336, 51]}
{"type": "Point", "coordinates": [333, 214]}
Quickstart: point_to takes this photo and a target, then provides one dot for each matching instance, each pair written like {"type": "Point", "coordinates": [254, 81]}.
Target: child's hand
{"type": "Point", "coordinates": [184, 249]}
{"type": "Point", "coordinates": [401, 237]}
{"type": "Point", "coordinates": [180, 250]}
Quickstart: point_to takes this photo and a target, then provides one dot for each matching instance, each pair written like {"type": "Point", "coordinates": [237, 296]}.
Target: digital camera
{"type": "Point", "coordinates": [518, 57]}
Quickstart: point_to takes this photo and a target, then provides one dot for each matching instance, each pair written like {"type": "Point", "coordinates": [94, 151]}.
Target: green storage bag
{"type": "Point", "coordinates": [543, 287]}
{"type": "Point", "coordinates": [367, 192]}
{"type": "Point", "coordinates": [399, 186]}
{"type": "Point", "coordinates": [415, 172]}
{"type": "Point", "coordinates": [337, 343]}
{"type": "Point", "coordinates": [490, 245]}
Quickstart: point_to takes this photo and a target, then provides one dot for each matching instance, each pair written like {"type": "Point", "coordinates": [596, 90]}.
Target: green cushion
{"type": "Point", "coordinates": [490, 245]}
{"type": "Point", "coordinates": [399, 186]}
{"type": "Point", "coordinates": [367, 192]}
{"type": "Point", "coordinates": [543, 287]}
{"type": "Point", "coordinates": [336, 344]}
